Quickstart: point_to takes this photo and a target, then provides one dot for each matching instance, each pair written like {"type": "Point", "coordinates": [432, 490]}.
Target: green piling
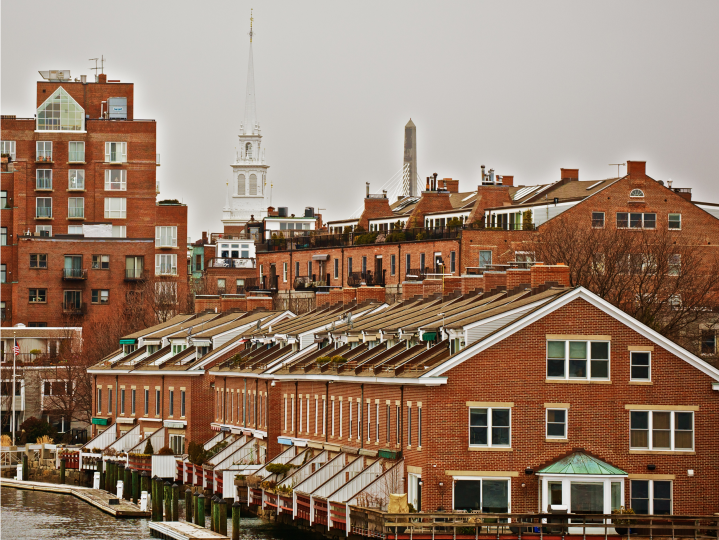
{"type": "Point", "coordinates": [213, 515]}
{"type": "Point", "coordinates": [135, 485]}
{"type": "Point", "coordinates": [127, 484]}
{"type": "Point", "coordinates": [156, 500]}
{"type": "Point", "coordinates": [168, 500]}
{"type": "Point", "coordinates": [201, 510]}
{"type": "Point", "coordinates": [223, 517]}
{"type": "Point", "coordinates": [188, 505]}
{"type": "Point", "coordinates": [196, 507]}
{"type": "Point", "coordinates": [107, 477]}
{"type": "Point", "coordinates": [144, 483]}
{"type": "Point", "coordinates": [207, 503]}
{"type": "Point", "coordinates": [62, 470]}
{"type": "Point", "coordinates": [175, 502]}
{"type": "Point", "coordinates": [236, 521]}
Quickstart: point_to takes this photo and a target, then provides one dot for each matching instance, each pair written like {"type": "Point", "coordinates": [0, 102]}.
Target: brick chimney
{"type": "Point", "coordinates": [508, 180]}
{"type": "Point", "coordinates": [451, 185]}
{"type": "Point", "coordinates": [271, 211]}
{"type": "Point", "coordinates": [374, 208]}
{"type": "Point", "coordinates": [569, 175]}
{"type": "Point", "coordinates": [488, 197]}
{"type": "Point", "coordinates": [204, 237]}
{"type": "Point", "coordinates": [636, 169]}
{"type": "Point", "coordinates": [102, 78]}
{"type": "Point", "coordinates": [549, 274]}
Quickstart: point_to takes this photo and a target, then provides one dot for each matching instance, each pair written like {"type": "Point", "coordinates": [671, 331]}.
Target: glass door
{"type": "Point", "coordinates": [73, 266]}
{"type": "Point", "coordinates": [134, 267]}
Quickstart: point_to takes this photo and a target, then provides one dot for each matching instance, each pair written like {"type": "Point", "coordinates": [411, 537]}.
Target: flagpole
{"type": "Point", "coordinates": [14, 356]}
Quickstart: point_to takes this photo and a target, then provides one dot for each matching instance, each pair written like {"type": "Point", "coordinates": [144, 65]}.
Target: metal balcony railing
{"type": "Point", "coordinates": [74, 273]}
{"type": "Point", "coordinates": [43, 212]}
{"type": "Point", "coordinates": [76, 212]}
{"type": "Point", "coordinates": [227, 262]}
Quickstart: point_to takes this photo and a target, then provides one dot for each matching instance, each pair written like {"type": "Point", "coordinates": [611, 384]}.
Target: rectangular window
{"type": "Point", "coordinates": [309, 269]}
{"type": "Point", "coordinates": [133, 401]}
{"type": "Point", "coordinates": [397, 422]}
{"type": "Point", "coordinates": [8, 147]}
{"type": "Point", "coordinates": [115, 180]}
{"type": "Point", "coordinates": [488, 495]}
{"type": "Point", "coordinates": [407, 264]}
{"type": "Point", "coordinates": [44, 151]}
{"type": "Point", "coordinates": [172, 403]}
{"type": "Point", "coordinates": [115, 208]}
{"type": "Point", "coordinates": [76, 207]}
{"type": "Point", "coordinates": [419, 427]}
{"type": "Point", "coordinates": [489, 427]}
{"type": "Point", "coordinates": [76, 152]}
{"type": "Point", "coordinates": [332, 428]}
{"type": "Point", "coordinates": [43, 179]}
{"type": "Point", "coordinates": [485, 258]}
{"type": "Point", "coordinates": [578, 359]}
{"type": "Point", "coordinates": [122, 401]}
{"type": "Point", "coordinates": [3, 200]}
{"type": "Point", "coordinates": [177, 443]}
{"type": "Point", "coordinates": [115, 152]}
{"type": "Point", "coordinates": [598, 220]}
{"type": "Point", "coordinates": [452, 262]}
{"type": "Point", "coordinates": [297, 268]}
{"type": "Point", "coordinates": [651, 496]}
{"type": "Point", "coordinates": [182, 403]}
{"type": "Point", "coordinates": [556, 423]}
{"type": "Point", "coordinates": [337, 269]}
{"type": "Point", "coordinates": [324, 417]}
{"type": "Point", "coordinates": [100, 296]}
{"type": "Point", "coordinates": [409, 426]}
{"type": "Point", "coordinates": [675, 264]}
{"type": "Point", "coordinates": [392, 264]}
{"type": "Point", "coordinates": [157, 402]}
{"type": "Point", "coordinates": [662, 430]}
{"type": "Point", "coordinates": [166, 264]}
{"type": "Point", "coordinates": [109, 400]}
{"type": "Point", "coordinates": [636, 220]}
{"type": "Point", "coordinates": [284, 272]}
{"type": "Point", "coordinates": [709, 342]}
{"type": "Point", "coordinates": [119, 231]}
{"type": "Point", "coordinates": [43, 207]}
{"type": "Point", "coordinates": [147, 402]}
{"type": "Point", "coordinates": [3, 273]}
{"type": "Point", "coordinates": [38, 296]}
{"type": "Point", "coordinates": [369, 422]}
{"type": "Point", "coordinates": [101, 262]}
{"type": "Point", "coordinates": [389, 423]}
{"type": "Point", "coordinates": [38, 260]}
{"type": "Point", "coordinates": [376, 422]}
{"type": "Point", "coordinates": [165, 236]}
{"type": "Point", "coordinates": [99, 401]}
{"type": "Point", "coordinates": [421, 262]}
{"type": "Point", "coordinates": [3, 236]}
{"type": "Point", "coordinates": [349, 265]}
{"type": "Point", "coordinates": [675, 221]}
{"type": "Point", "coordinates": [640, 365]}
{"type": "Point", "coordinates": [76, 179]}
{"type": "Point", "coordinates": [364, 266]}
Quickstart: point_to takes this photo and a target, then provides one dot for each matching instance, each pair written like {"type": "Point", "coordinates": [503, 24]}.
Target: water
{"type": "Point", "coordinates": [35, 515]}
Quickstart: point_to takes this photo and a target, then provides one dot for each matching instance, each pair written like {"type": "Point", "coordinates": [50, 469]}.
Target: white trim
{"type": "Point", "coordinates": [596, 301]}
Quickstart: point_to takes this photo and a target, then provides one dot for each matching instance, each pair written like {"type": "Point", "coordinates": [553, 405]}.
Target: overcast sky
{"type": "Point", "coordinates": [523, 87]}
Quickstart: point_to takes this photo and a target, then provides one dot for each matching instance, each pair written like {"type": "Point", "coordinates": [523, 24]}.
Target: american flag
{"type": "Point", "coordinates": [16, 349]}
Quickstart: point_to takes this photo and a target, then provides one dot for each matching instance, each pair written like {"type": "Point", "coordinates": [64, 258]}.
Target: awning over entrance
{"type": "Point", "coordinates": [581, 463]}
{"type": "Point", "coordinates": [320, 257]}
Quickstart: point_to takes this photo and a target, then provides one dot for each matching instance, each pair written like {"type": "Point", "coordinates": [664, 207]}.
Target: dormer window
{"type": "Point", "coordinates": [636, 193]}
{"type": "Point", "coordinates": [60, 112]}
{"type": "Point", "coordinates": [248, 151]}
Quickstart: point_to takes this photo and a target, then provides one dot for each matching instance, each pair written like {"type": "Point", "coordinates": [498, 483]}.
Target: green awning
{"type": "Point", "coordinates": [581, 463]}
{"type": "Point", "coordinates": [100, 421]}
{"type": "Point", "coordinates": [128, 341]}
{"type": "Point", "coordinates": [429, 336]}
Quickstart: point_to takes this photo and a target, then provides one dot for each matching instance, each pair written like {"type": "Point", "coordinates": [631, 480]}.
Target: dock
{"type": "Point", "coordinates": [182, 530]}
{"type": "Point", "coordinates": [96, 497]}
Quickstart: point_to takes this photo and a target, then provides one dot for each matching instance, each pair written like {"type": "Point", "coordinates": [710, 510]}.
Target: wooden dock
{"type": "Point", "coordinates": [96, 497]}
{"type": "Point", "coordinates": [182, 530]}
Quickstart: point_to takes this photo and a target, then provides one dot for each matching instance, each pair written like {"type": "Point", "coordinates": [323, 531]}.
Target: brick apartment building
{"type": "Point", "coordinates": [589, 416]}
{"type": "Point", "coordinates": [81, 227]}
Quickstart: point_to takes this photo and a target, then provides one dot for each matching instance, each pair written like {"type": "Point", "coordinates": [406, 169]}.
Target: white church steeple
{"type": "Point", "coordinates": [249, 171]}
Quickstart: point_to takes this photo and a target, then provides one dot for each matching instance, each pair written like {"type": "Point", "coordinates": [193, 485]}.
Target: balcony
{"type": "Point", "coordinates": [72, 308]}
{"type": "Point", "coordinates": [43, 213]}
{"type": "Point", "coordinates": [76, 213]}
{"type": "Point", "coordinates": [135, 275]}
{"type": "Point", "coordinates": [355, 279]}
{"type": "Point", "coordinates": [227, 262]}
{"type": "Point", "coordinates": [44, 157]}
{"type": "Point", "coordinates": [74, 273]}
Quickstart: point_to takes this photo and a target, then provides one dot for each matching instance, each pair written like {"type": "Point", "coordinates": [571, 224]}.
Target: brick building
{"type": "Point", "coordinates": [81, 226]}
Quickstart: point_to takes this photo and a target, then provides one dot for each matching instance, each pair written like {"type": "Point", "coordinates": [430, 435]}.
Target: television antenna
{"type": "Point", "coordinates": [102, 64]}
{"type": "Point", "coordinates": [617, 166]}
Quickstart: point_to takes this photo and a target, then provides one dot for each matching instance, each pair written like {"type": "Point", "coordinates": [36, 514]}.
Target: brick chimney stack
{"type": "Point", "coordinates": [102, 78]}
{"type": "Point", "coordinates": [569, 175]}
{"type": "Point", "coordinates": [636, 169]}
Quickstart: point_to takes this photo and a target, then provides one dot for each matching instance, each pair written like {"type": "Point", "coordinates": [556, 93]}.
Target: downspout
{"type": "Point", "coordinates": [244, 405]}
{"type": "Point", "coordinates": [401, 418]}
{"type": "Point", "coordinates": [297, 407]}
{"type": "Point", "coordinates": [117, 391]}
{"type": "Point", "coordinates": [326, 410]}
{"type": "Point", "coordinates": [224, 403]}
{"type": "Point", "coordinates": [362, 415]}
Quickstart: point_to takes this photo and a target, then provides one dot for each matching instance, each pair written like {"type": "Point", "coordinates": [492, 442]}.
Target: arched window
{"type": "Point", "coordinates": [60, 112]}
{"type": "Point", "coordinates": [253, 184]}
{"type": "Point", "coordinates": [248, 151]}
{"type": "Point", "coordinates": [241, 184]}
{"type": "Point", "coordinates": [636, 193]}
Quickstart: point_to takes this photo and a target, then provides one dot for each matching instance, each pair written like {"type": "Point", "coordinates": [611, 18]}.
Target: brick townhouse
{"type": "Point", "coordinates": [507, 400]}
{"type": "Point", "coordinates": [81, 227]}
{"type": "Point", "coordinates": [158, 379]}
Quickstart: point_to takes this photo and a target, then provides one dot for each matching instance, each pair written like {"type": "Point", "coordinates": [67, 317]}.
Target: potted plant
{"type": "Point", "coordinates": [622, 525]}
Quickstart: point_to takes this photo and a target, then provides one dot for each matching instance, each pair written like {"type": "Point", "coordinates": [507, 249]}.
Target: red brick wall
{"type": "Point", "coordinates": [373, 209]}
{"type": "Point", "coordinates": [370, 293]}
{"type": "Point", "coordinates": [488, 197]}
{"type": "Point", "coordinates": [428, 202]}
{"type": "Point", "coordinates": [90, 96]}
{"type": "Point", "coordinates": [542, 274]}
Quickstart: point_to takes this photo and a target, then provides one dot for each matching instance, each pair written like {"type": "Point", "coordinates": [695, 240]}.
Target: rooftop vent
{"type": "Point", "coordinates": [56, 75]}
{"type": "Point", "coordinates": [282, 211]}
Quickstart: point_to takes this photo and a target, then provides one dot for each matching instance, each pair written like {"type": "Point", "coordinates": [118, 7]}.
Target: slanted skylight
{"type": "Point", "coordinates": [60, 112]}
{"type": "Point", "coordinates": [594, 185]}
{"type": "Point", "coordinates": [524, 192]}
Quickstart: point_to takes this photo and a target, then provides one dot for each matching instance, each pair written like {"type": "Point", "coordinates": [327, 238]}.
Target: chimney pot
{"type": "Point", "coordinates": [367, 188]}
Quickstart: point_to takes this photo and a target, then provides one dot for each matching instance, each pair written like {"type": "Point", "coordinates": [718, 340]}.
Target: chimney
{"type": "Point", "coordinates": [204, 237]}
{"type": "Point", "coordinates": [428, 183]}
{"type": "Point", "coordinates": [102, 78]}
{"type": "Point", "coordinates": [434, 182]}
{"type": "Point", "coordinates": [451, 185]}
{"type": "Point", "coordinates": [549, 274]}
{"type": "Point", "coordinates": [482, 179]}
{"type": "Point", "coordinates": [367, 190]}
{"type": "Point", "coordinates": [568, 175]}
{"type": "Point", "coordinates": [636, 169]}
{"type": "Point", "coordinates": [508, 180]}
{"type": "Point", "coordinates": [384, 193]}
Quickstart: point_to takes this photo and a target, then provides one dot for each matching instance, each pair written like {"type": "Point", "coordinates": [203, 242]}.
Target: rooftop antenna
{"type": "Point", "coordinates": [618, 165]}
{"type": "Point", "coordinates": [271, 186]}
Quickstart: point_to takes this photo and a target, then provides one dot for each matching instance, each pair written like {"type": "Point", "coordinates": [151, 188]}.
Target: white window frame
{"type": "Point", "coordinates": [8, 147]}
{"type": "Point", "coordinates": [166, 236]}
{"type": "Point", "coordinates": [669, 221]}
{"type": "Point", "coordinates": [672, 430]}
{"type": "Point", "coordinates": [376, 422]}
{"type": "Point", "coordinates": [38, 199]}
{"type": "Point", "coordinates": [46, 179]}
{"type": "Point", "coordinates": [120, 153]}
{"type": "Point", "coordinates": [119, 231]}
{"type": "Point", "coordinates": [479, 261]}
{"type": "Point", "coordinates": [70, 152]}
{"type": "Point", "coordinates": [566, 423]}
{"type": "Point", "coordinates": [41, 150]}
{"type": "Point", "coordinates": [111, 208]}
{"type": "Point", "coordinates": [164, 261]}
{"type": "Point", "coordinates": [651, 493]}
{"type": "Point", "coordinates": [489, 427]}
{"type": "Point", "coordinates": [44, 228]}
{"type": "Point", "coordinates": [629, 220]}
{"type": "Point", "coordinates": [81, 207]}
{"type": "Point", "coordinates": [284, 272]}
{"type": "Point", "coordinates": [631, 365]}
{"type": "Point", "coordinates": [332, 433]}
{"type": "Point", "coordinates": [316, 412]}
{"type": "Point", "coordinates": [73, 175]}
{"type": "Point", "coordinates": [41, 114]}
{"type": "Point", "coordinates": [566, 376]}
{"type": "Point", "coordinates": [115, 185]}
{"type": "Point", "coordinates": [482, 479]}
{"type": "Point", "coordinates": [636, 192]}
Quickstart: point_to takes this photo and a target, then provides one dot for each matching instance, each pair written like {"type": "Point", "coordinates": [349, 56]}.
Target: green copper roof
{"type": "Point", "coordinates": [580, 463]}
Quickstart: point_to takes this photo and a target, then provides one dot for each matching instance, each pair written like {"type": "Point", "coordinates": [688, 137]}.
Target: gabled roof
{"type": "Point", "coordinates": [581, 463]}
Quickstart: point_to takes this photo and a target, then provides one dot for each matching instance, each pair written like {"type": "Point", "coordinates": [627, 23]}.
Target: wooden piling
{"type": "Point", "coordinates": [236, 521]}
{"type": "Point", "coordinates": [196, 507]}
{"type": "Point", "coordinates": [223, 517]}
{"type": "Point", "coordinates": [167, 492]}
{"type": "Point", "coordinates": [24, 467]}
{"type": "Point", "coordinates": [135, 485]}
{"type": "Point", "coordinates": [62, 470]}
{"type": "Point", "coordinates": [175, 502]}
{"type": "Point", "coordinates": [201, 510]}
{"type": "Point", "coordinates": [127, 484]}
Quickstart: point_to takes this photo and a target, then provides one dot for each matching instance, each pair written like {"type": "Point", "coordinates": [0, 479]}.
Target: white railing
{"type": "Point", "coordinates": [128, 440]}
{"type": "Point", "coordinates": [157, 439]}
{"type": "Point", "coordinates": [104, 439]}
{"type": "Point", "coordinates": [164, 466]}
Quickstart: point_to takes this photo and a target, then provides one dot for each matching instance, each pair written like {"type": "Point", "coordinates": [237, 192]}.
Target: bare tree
{"type": "Point", "coordinates": [662, 278]}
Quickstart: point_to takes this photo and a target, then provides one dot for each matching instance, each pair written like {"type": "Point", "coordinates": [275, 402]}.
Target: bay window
{"type": "Point", "coordinates": [60, 112]}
